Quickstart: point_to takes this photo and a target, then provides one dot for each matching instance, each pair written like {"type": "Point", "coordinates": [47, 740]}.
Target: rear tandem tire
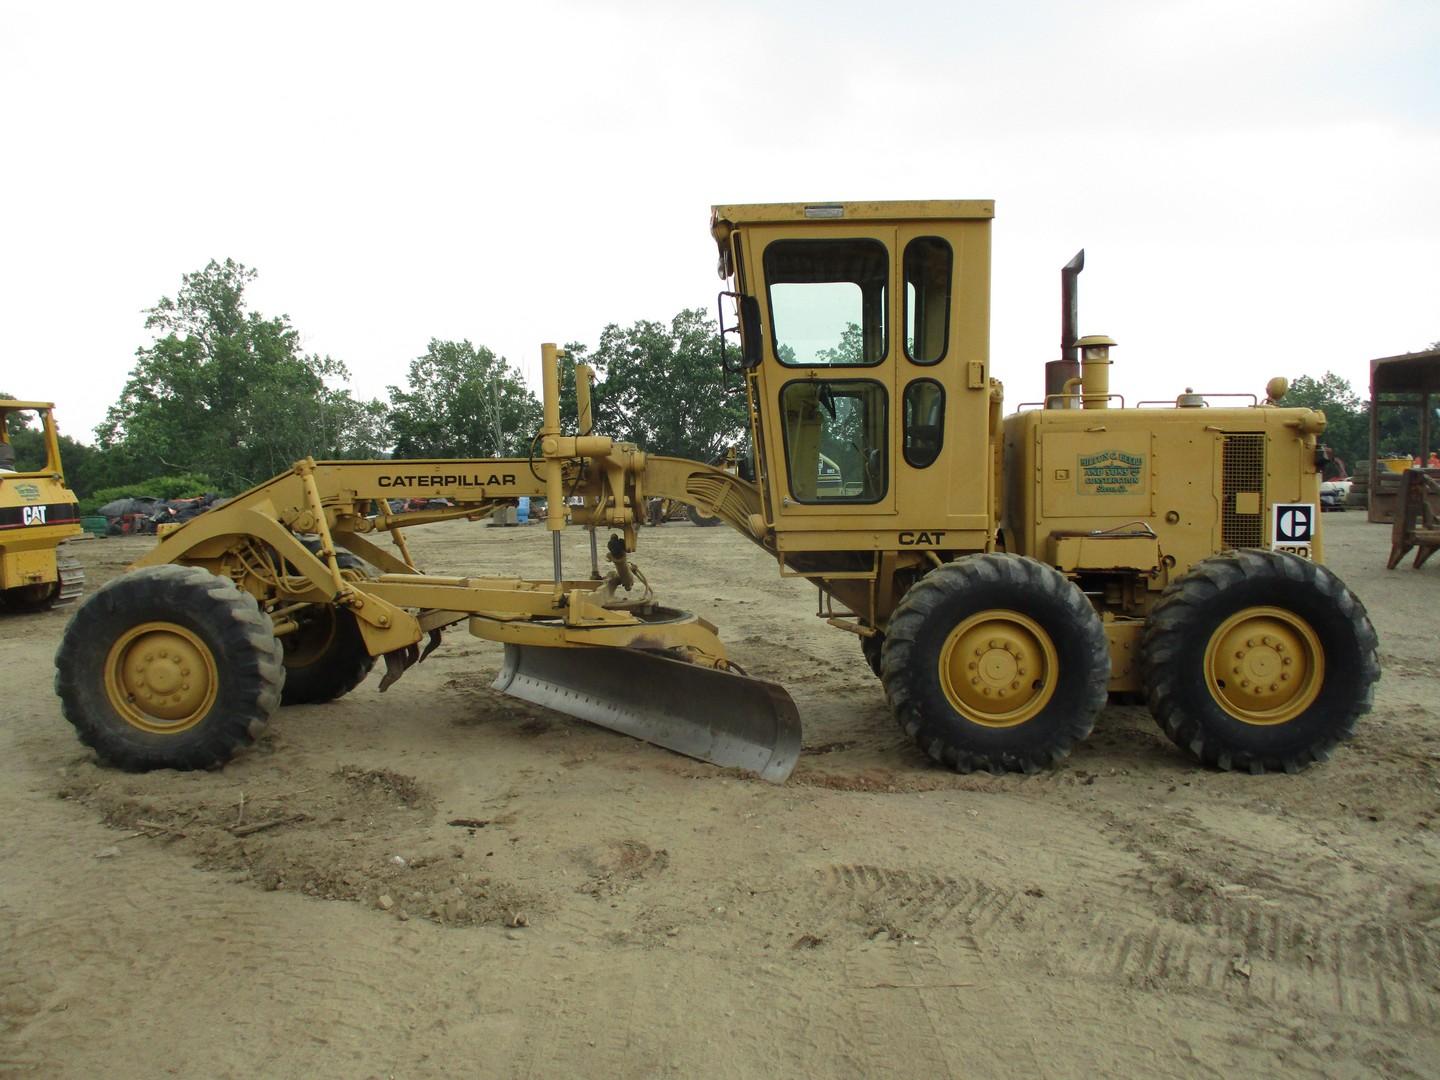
{"type": "Point", "coordinates": [1259, 660]}
{"type": "Point", "coordinates": [168, 667]}
{"type": "Point", "coordinates": [699, 519]}
{"type": "Point", "coordinates": [995, 662]}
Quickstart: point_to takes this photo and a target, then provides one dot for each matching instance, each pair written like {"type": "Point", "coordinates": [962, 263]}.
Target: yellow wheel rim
{"type": "Point", "coordinates": [999, 668]}
{"type": "Point", "coordinates": [1264, 665]}
{"type": "Point", "coordinates": [308, 644]}
{"type": "Point", "coordinates": [161, 678]}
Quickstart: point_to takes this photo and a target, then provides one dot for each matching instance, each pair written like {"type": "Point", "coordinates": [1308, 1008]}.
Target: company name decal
{"type": "Point", "coordinates": [448, 480]}
{"type": "Point", "coordinates": [1110, 472]}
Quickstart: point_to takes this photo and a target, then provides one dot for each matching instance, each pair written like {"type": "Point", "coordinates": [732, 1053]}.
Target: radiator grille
{"type": "Point", "coordinates": [1242, 471]}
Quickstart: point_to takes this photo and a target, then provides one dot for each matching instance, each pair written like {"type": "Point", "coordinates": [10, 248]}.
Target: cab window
{"type": "Point", "coordinates": [22, 441]}
{"type": "Point", "coordinates": [836, 446]}
{"type": "Point", "coordinates": [828, 301]}
{"type": "Point", "coordinates": [924, 409]}
{"type": "Point", "coordinates": [928, 262]}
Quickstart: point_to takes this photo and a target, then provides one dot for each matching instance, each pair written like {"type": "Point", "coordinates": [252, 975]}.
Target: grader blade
{"type": "Point", "coordinates": [717, 716]}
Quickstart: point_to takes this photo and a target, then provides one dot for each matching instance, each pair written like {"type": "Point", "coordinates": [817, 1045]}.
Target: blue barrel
{"type": "Point", "coordinates": [522, 514]}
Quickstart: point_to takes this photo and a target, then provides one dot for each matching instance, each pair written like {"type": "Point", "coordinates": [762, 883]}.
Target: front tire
{"type": "Point", "coordinates": [325, 658]}
{"type": "Point", "coordinates": [1259, 660]}
{"type": "Point", "coordinates": [168, 667]}
{"type": "Point", "coordinates": [995, 662]}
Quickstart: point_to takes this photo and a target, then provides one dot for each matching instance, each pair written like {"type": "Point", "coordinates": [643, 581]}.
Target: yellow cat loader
{"type": "Point", "coordinates": [1003, 575]}
{"type": "Point", "coordinates": [38, 513]}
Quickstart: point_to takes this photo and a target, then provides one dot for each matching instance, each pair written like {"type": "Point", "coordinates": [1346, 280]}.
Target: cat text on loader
{"type": "Point", "coordinates": [38, 513]}
{"type": "Point", "coordinates": [1002, 575]}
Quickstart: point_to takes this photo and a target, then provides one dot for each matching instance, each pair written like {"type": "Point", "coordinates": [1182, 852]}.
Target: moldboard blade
{"type": "Point", "coordinates": [721, 717]}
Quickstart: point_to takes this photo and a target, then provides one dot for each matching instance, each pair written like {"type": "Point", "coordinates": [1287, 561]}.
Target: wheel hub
{"type": "Point", "coordinates": [998, 668]}
{"type": "Point", "coordinates": [161, 678]}
{"type": "Point", "coordinates": [1264, 665]}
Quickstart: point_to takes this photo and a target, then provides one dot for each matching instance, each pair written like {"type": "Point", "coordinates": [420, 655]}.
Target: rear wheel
{"type": "Point", "coordinates": [1259, 660]}
{"type": "Point", "coordinates": [995, 662]}
{"type": "Point", "coordinates": [168, 667]}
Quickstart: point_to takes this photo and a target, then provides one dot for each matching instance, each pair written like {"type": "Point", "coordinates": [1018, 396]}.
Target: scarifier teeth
{"type": "Point", "coordinates": [397, 662]}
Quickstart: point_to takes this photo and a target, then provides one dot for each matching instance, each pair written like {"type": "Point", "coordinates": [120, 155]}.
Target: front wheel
{"type": "Point", "coordinates": [1259, 660]}
{"type": "Point", "coordinates": [325, 656]}
{"type": "Point", "coordinates": [995, 662]}
{"type": "Point", "coordinates": [168, 667]}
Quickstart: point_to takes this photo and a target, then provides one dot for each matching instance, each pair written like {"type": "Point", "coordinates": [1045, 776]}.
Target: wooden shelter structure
{"type": "Point", "coordinates": [1407, 381]}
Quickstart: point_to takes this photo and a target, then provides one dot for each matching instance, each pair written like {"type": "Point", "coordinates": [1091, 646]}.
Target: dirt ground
{"type": "Point", "coordinates": [462, 884]}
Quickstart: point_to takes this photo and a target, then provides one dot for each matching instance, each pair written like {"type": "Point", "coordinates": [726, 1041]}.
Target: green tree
{"type": "Point", "coordinates": [1347, 418]}
{"type": "Point", "coordinates": [462, 401]}
{"type": "Point", "coordinates": [227, 392]}
{"type": "Point", "coordinates": [664, 390]}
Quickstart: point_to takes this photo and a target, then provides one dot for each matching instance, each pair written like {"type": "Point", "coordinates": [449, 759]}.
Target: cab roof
{"type": "Point", "coordinates": [861, 210]}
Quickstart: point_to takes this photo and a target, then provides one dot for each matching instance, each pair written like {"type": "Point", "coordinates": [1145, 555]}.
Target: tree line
{"type": "Point", "coordinates": [224, 397]}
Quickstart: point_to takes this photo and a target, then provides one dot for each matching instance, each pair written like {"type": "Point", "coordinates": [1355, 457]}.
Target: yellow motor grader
{"type": "Point", "coordinates": [38, 513]}
{"type": "Point", "coordinates": [1002, 575]}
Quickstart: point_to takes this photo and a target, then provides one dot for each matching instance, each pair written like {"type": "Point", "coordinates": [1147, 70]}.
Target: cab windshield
{"type": "Point", "coordinates": [827, 301]}
{"type": "Point", "coordinates": [22, 441]}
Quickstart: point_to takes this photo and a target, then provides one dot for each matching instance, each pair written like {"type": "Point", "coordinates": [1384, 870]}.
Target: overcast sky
{"type": "Point", "coordinates": [1256, 183]}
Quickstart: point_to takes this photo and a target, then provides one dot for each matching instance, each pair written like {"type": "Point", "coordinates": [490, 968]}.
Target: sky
{"type": "Point", "coordinates": [1256, 184]}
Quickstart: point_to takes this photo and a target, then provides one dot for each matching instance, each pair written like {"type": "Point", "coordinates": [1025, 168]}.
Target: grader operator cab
{"type": "Point", "coordinates": [1003, 575]}
{"type": "Point", "coordinates": [38, 513]}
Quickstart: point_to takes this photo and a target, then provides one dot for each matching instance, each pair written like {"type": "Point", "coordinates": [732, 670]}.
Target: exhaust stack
{"type": "Point", "coordinates": [1060, 373]}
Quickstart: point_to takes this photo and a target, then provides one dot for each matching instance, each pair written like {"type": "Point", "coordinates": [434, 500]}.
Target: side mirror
{"type": "Point", "coordinates": [749, 331]}
{"type": "Point", "coordinates": [750, 351]}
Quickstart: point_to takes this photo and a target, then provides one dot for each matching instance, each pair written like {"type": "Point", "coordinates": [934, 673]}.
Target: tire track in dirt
{"type": "Point", "coordinates": [886, 898]}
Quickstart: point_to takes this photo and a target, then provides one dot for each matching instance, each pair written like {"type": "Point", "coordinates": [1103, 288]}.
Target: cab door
{"type": "Point", "coordinates": [828, 311]}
